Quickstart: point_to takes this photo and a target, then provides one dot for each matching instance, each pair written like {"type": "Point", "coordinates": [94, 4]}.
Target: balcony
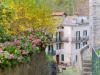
{"type": "Point", "coordinates": [81, 39]}
{"type": "Point", "coordinates": [74, 40]}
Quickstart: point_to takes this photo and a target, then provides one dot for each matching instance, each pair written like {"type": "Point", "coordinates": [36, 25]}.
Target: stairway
{"type": "Point", "coordinates": [87, 67]}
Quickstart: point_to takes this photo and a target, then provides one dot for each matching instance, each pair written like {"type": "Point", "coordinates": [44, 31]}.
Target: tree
{"type": "Point", "coordinates": [62, 5]}
{"type": "Point", "coordinates": [30, 14]}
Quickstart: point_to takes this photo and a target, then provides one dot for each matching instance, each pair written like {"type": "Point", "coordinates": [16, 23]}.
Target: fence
{"type": "Point", "coordinates": [95, 63]}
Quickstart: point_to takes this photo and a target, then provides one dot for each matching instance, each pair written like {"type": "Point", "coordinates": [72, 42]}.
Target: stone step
{"type": "Point", "coordinates": [87, 64]}
{"type": "Point", "coordinates": [87, 69]}
{"type": "Point", "coordinates": [87, 61]}
{"type": "Point", "coordinates": [87, 73]}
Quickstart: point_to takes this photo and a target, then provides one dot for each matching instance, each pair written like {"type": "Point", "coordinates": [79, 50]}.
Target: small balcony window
{"type": "Point", "coordinates": [77, 45]}
{"type": "Point", "coordinates": [78, 35]}
{"type": "Point", "coordinates": [85, 33]}
{"type": "Point", "coordinates": [61, 45]}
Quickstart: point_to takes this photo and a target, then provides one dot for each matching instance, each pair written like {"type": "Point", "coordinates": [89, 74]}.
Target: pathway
{"type": "Point", "coordinates": [69, 71]}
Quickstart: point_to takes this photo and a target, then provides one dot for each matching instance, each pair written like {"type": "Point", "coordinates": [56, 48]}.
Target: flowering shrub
{"type": "Point", "coordinates": [21, 50]}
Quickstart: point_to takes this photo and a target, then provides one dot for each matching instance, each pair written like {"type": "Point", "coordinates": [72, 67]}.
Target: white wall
{"type": "Point", "coordinates": [67, 46]}
{"type": "Point", "coordinates": [81, 29]}
{"type": "Point", "coordinates": [69, 50]}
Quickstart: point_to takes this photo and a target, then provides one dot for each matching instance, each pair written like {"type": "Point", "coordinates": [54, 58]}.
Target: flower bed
{"type": "Point", "coordinates": [22, 48]}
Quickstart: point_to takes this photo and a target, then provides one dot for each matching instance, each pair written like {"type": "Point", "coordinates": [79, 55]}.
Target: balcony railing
{"type": "Point", "coordinates": [81, 39]}
{"type": "Point", "coordinates": [71, 39]}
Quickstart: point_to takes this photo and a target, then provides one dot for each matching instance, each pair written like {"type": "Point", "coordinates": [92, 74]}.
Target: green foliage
{"type": "Point", "coordinates": [3, 36]}
{"type": "Point", "coordinates": [10, 49]}
{"type": "Point", "coordinates": [98, 51]}
{"type": "Point", "coordinates": [49, 58]}
{"type": "Point", "coordinates": [29, 47]}
{"type": "Point", "coordinates": [62, 5]}
{"type": "Point", "coordinates": [25, 59]}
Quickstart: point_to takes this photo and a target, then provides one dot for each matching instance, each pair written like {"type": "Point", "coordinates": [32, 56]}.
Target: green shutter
{"type": "Point", "coordinates": [62, 57]}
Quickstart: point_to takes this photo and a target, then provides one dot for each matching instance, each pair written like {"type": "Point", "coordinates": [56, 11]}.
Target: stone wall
{"type": "Point", "coordinates": [81, 7]}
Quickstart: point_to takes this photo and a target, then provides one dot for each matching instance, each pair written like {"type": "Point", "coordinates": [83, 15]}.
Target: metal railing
{"type": "Point", "coordinates": [95, 63]}
{"type": "Point", "coordinates": [74, 39]}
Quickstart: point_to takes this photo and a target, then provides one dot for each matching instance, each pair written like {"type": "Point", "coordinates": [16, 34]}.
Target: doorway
{"type": "Point", "coordinates": [57, 59]}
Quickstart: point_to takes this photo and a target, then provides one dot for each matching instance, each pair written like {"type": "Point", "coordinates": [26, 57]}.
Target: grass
{"type": "Point", "coordinates": [69, 71]}
{"type": "Point", "coordinates": [49, 58]}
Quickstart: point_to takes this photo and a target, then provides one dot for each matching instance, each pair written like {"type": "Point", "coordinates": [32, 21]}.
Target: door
{"type": "Point", "coordinates": [57, 59]}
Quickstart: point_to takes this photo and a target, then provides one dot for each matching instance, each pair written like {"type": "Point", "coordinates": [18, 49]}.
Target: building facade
{"type": "Point", "coordinates": [71, 35]}
{"type": "Point", "coordinates": [94, 20]}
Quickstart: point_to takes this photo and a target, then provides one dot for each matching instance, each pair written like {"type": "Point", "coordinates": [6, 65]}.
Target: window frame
{"type": "Point", "coordinates": [78, 45]}
{"type": "Point", "coordinates": [62, 57]}
{"type": "Point", "coordinates": [78, 35]}
{"type": "Point", "coordinates": [85, 33]}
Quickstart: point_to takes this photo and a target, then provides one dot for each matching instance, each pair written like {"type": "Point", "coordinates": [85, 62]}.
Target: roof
{"type": "Point", "coordinates": [58, 13]}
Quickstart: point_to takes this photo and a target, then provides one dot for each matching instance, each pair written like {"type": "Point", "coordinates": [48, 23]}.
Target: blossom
{"type": "Point", "coordinates": [37, 41]}
{"type": "Point", "coordinates": [24, 52]}
{"type": "Point", "coordinates": [16, 42]}
{"type": "Point", "coordinates": [19, 58]}
{"type": "Point", "coordinates": [33, 46]}
{"type": "Point", "coordinates": [1, 50]}
{"type": "Point", "coordinates": [11, 56]}
{"type": "Point", "coordinates": [31, 36]}
{"type": "Point", "coordinates": [18, 47]}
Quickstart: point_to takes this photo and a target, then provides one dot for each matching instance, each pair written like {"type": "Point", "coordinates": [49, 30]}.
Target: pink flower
{"type": "Point", "coordinates": [37, 41]}
{"type": "Point", "coordinates": [16, 42]}
{"type": "Point", "coordinates": [1, 50]}
{"type": "Point", "coordinates": [31, 36]}
{"type": "Point", "coordinates": [33, 46]}
{"type": "Point", "coordinates": [11, 56]}
{"type": "Point", "coordinates": [24, 52]}
{"type": "Point", "coordinates": [19, 58]}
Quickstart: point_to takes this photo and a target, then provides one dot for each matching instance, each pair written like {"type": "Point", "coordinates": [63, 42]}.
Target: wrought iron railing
{"type": "Point", "coordinates": [74, 39]}
{"type": "Point", "coordinates": [95, 63]}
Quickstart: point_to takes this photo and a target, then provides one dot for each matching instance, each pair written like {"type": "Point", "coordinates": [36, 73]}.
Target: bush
{"type": "Point", "coordinates": [3, 36]}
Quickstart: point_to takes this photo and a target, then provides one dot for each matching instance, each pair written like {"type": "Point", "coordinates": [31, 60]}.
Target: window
{"type": "Point", "coordinates": [57, 36]}
{"type": "Point", "coordinates": [57, 46]}
{"type": "Point", "coordinates": [77, 35]}
{"type": "Point", "coordinates": [76, 58]}
{"type": "Point", "coordinates": [52, 49]}
{"type": "Point", "coordinates": [77, 45]}
{"type": "Point", "coordinates": [62, 57]}
{"type": "Point", "coordinates": [82, 21]}
{"type": "Point", "coordinates": [84, 43]}
{"type": "Point", "coordinates": [49, 49]}
{"type": "Point", "coordinates": [61, 45]}
{"type": "Point", "coordinates": [61, 35]}
{"type": "Point", "coordinates": [85, 33]}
